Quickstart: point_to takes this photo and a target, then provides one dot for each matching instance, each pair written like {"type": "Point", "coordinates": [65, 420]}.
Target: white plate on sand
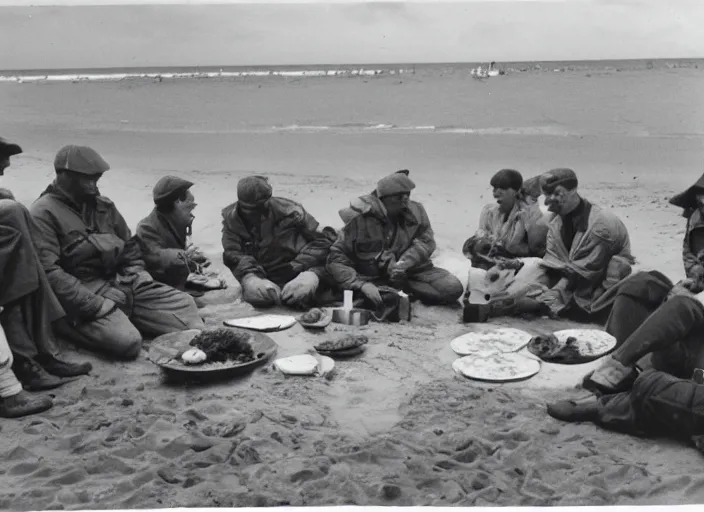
{"type": "Point", "coordinates": [496, 339]}
{"type": "Point", "coordinates": [496, 367]}
{"type": "Point", "coordinates": [305, 364]}
{"type": "Point", "coordinates": [590, 342]}
{"type": "Point", "coordinates": [263, 323]}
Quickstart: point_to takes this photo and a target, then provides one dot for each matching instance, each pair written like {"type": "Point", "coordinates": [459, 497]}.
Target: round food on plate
{"type": "Point", "coordinates": [220, 345]}
{"type": "Point", "coordinates": [496, 367]}
{"type": "Point", "coordinates": [492, 338]}
{"type": "Point", "coordinates": [312, 316]}
{"type": "Point", "coordinates": [346, 342]}
{"type": "Point", "coordinates": [194, 356]}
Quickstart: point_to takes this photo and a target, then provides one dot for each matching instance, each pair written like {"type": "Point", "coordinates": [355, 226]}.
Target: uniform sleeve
{"type": "Point", "coordinates": [313, 256]}
{"type": "Point", "coordinates": [340, 262]}
{"type": "Point", "coordinates": [79, 302]}
{"type": "Point", "coordinates": [484, 229]}
{"type": "Point", "coordinates": [234, 256]}
{"type": "Point", "coordinates": [422, 247]}
{"type": "Point", "coordinates": [156, 256]}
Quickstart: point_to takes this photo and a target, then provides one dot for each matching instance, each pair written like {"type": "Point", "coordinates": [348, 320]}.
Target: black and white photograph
{"type": "Point", "coordinates": [398, 253]}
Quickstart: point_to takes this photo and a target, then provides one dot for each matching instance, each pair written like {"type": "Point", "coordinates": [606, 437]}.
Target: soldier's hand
{"type": "Point", "coordinates": [371, 292]}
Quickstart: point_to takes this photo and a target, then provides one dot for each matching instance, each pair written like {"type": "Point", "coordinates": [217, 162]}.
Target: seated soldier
{"type": "Point", "coordinates": [274, 248]}
{"type": "Point", "coordinates": [692, 202]}
{"type": "Point", "coordinates": [663, 400]}
{"type": "Point", "coordinates": [388, 240]}
{"type": "Point", "coordinates": [587, 251]}
{"type": "Point", "coordinates": [95, 266]}
{"type": "Point", "coordinates": [514, 227]}
{"type": "Point", "coordinates": [164, 239]}
{"type": "Point", "coordinates": [27, 303]}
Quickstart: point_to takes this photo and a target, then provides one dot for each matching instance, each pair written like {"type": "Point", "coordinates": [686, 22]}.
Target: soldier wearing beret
{"type": "Point", "coordinates": [274, 247]}
{"type": "Point", "coordinates": [388, 240]}
{"type": "Point", "coordinates": [95, 266]}
{"type": "Point", "coordinates": [164, 236]}
{"type": "Point", "coordinates": [29, 356]}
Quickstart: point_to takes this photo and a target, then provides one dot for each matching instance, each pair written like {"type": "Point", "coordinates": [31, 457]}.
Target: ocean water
{"type": "Point", "coordinates": [576, 102]}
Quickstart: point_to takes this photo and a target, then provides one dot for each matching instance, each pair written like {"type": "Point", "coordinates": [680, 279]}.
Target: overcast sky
{"type": "Point", "coordinates": [333, 32]}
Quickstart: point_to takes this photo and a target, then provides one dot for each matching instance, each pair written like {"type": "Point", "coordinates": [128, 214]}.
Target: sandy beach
{"type": "Point", "coordinates": [394, 426]}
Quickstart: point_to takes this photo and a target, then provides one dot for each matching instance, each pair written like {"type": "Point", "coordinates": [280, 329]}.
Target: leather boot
{"type": "Point", "coordinates": [34, 378]}
{"type": "Point", "coordinates": [63, 368]}
{"type": "Point", "coordinates": [573, 411]}
{"type": "Point", "coordinates": [23, 404]}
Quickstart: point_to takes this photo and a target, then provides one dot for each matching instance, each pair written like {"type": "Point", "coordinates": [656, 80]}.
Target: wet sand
{"type": "Point", "coordinates": [394, 426]}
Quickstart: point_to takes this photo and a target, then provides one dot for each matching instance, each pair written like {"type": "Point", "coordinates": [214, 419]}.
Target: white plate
{"type": "Point", "coordinates": [325, 364]}
{"type": "Point", "coordinates": [263, 323]}
{"type": "Point", "coordinates": [590, 342]}
{"type": "Point", "coordinates": [496, 367]}
{"type": "Point", "coordinates": [303, 364]}
{"type": "Point", "coordinates": [491, 338]}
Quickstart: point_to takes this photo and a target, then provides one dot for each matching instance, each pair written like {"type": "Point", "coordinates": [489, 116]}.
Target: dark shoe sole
{"type": "Point", "coordinates": [76, 371]}
{"type": "Point", "coordinates": [8, 409]}
{"type": "Point", "coordinates": [46, 384]}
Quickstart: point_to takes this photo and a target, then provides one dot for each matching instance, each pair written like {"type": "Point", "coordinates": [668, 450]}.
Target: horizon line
{"type": "Point", "coordinates": [348, 65]}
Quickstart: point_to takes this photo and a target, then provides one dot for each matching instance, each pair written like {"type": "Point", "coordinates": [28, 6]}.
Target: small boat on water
{"type": "Point", "coordinates": [489, 71]}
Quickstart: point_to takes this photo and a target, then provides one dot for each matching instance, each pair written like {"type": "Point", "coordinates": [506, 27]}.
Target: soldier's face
{"type": "Point", "coordinates": [396, 204]}
{"type": "Point", "coordinates": [88, 185]}
{"type": "Point", "coordinates": [80, 186]}
{"type": "Point", "coordinates": [184, 209]}
{"type": "Point", "coordinates": [249, 211]}
{"type": "Point", "coordinates": [559, 200]}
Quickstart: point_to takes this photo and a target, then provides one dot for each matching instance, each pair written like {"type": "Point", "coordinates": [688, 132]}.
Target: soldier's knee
{"type": "Point", "coordinates": [452, 288]}
{"type": "Point", "coordinates": [126, 344]}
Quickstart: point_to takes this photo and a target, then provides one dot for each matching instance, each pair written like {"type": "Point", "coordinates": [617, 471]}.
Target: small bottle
{"type": "Point", "coordinates": [404, 307]}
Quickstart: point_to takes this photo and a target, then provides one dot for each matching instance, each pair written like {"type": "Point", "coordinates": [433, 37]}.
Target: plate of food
{"type": "Point", "coordinates": [496, 367]}
{"type": "Point", "coordinates": [263, 323]}
{"type": "Point", "coordinates": [316, 318]}
{"type": "Point", "coordinates": [572, 346]}
{"type": "Point", "coordinates": [491, 338]}
{"type": "Point", "coordinates": [211, 353]}
{"type": "Point", "coordinates": [348, 345]}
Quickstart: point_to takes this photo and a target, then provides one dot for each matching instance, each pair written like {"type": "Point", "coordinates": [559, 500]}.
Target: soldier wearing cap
{"type": "Point", "coordinates": [95, 266]}
{"type": "Point", "coordinates": [387, 239]}
{"type": "Point", "coordinates": [274, 247]}
{"type": "Point", "coordinates": [512, 227]}
{"type": "Point", "coordinates": [28, 308]}
{"type": "Point", "coordinates": [588, 251]}
{"type": "Point", "coordinates": [164, 233]}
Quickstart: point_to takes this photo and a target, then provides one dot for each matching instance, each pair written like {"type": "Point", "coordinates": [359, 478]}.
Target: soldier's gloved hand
{"type": "Point", "coordinates": [300, 290]}
{"type": "Point", "coordinates": [397, 276]}
{"type": "Point", "coordinates": [371, 292]}
{"type": "Point", "coordinates": [257, 290]}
